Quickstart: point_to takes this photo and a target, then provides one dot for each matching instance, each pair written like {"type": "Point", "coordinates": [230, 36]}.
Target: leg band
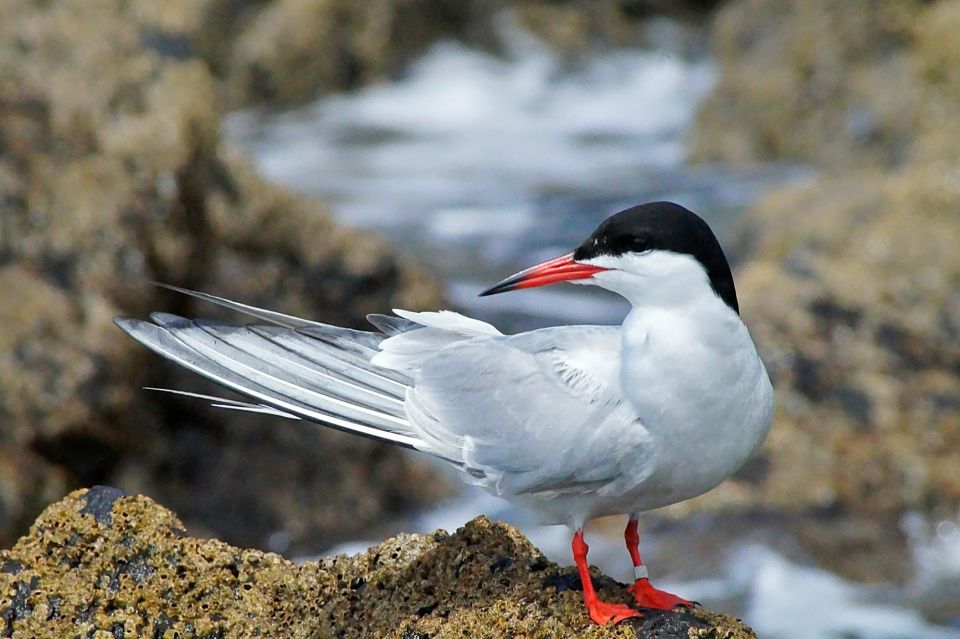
{"type": "Point", "coordinates": [640, 572]}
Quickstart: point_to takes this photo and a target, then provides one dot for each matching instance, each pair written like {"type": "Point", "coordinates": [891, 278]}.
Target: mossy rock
{"type": "Point", "coordinates": [100, 563]}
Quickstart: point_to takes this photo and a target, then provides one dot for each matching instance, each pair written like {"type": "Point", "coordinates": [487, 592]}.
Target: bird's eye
{"type": "Point", "coordinates": [640, 243]}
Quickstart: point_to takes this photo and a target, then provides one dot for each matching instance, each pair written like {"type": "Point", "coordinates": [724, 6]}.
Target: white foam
{"type": "Point", "coordinates": [788, 600]}
{"type": "Point", "coordinates": [466, 126]}
{"type": "Point", "coordinates": [935, 548]}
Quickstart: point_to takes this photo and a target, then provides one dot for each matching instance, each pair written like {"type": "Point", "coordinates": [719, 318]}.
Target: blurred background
{"type": "Point", "coordinates": [331, 158]}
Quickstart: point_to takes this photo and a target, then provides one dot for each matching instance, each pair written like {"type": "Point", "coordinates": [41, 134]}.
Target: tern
{"type": "Point", "coordinates": [570, 422]}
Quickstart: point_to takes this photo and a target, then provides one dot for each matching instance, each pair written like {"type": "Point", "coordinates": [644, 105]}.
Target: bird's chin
{"type": "Point", "coordinates": [612, 280]}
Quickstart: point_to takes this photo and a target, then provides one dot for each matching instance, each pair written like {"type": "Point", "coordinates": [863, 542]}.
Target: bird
{"type": "Point", "coordinates": [570, 422]}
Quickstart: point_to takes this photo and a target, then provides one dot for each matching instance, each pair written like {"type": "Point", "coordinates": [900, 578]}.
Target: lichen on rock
{"type": "Point", "coordinates": [101, 564]}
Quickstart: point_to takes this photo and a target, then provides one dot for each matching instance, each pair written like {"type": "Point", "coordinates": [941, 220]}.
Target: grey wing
{"type": "Point", "coordinates": [539, 412]}
{"type": "Point", "coordinates": [309, 371]}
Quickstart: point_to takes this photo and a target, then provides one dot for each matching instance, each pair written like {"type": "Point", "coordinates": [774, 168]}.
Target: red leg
{"type": "Point", "coordinates": [601, 612]}
{"type": "Point", "coordinates": [644, 594]}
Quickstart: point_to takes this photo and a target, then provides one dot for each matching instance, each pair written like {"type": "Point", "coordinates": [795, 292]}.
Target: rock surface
{"type": "Point", "coordinates": [849, 281]}
{"type": "Point", "coordinates": [858, 307]}
{"type": "Point", "coordinates": [102, 564]}
{"type": "Point", "coordinates": [112, 175]}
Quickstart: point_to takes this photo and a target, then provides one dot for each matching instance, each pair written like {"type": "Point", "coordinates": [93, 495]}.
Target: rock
{"type": "Point", "coordinates": [811, 80]}
{"type": "Point", "coordinates": [578, 30]}
{"type": "Point", "coordinates": [112, 175]}
{"type": "Point", "coordinates": [937, 55]}
{"type": "Point", "coordinates": [124, 567]}
{"type": "Point", "coordinates": [837, 84]}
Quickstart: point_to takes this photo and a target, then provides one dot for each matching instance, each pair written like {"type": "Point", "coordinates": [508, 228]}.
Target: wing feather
{"type": "Point", "coordinates": [224, 402]}
{"type": "Point", "coordinates": [301, 370]}
{"type": "Point", "coordinates": [248, 381]}
{"type": "Point", "coordinates": [217, 344]}
{"type": "Point", "coordinates": [279, 319]}
{"type": "Point", "coordinates": [539, 412]}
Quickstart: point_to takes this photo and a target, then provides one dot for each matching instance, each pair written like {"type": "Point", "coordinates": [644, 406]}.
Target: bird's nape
{"type": "Point", "coordinates": [559, 269]}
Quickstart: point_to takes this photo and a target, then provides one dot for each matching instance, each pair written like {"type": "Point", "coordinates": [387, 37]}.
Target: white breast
{"type": "Point", "coordinates": [702, 391]}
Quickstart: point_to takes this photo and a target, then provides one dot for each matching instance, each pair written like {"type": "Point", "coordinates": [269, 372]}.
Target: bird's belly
{"type": "Point", "coordinates": [686, 467]}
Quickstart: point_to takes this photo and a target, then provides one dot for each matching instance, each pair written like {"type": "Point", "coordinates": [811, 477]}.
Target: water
{"type": "Point", "coordinates": [479, 166]}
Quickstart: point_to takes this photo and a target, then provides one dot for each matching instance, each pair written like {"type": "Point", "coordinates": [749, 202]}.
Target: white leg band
{"type": "Point", "coordinates": [640, 572]}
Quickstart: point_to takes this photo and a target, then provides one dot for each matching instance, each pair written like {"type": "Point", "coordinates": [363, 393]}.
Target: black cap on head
{"type": "Point", "coordinates": [663, 226]}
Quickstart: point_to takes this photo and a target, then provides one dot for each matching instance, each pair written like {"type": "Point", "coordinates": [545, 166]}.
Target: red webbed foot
{"type": "Point", "coordinates": [604, 613]}
{"type": "Point", "coordinates": [646, 596]}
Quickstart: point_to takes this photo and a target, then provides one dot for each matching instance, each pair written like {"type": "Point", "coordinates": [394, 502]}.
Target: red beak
{"type": "Point", "coordinates": [560, 269]}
